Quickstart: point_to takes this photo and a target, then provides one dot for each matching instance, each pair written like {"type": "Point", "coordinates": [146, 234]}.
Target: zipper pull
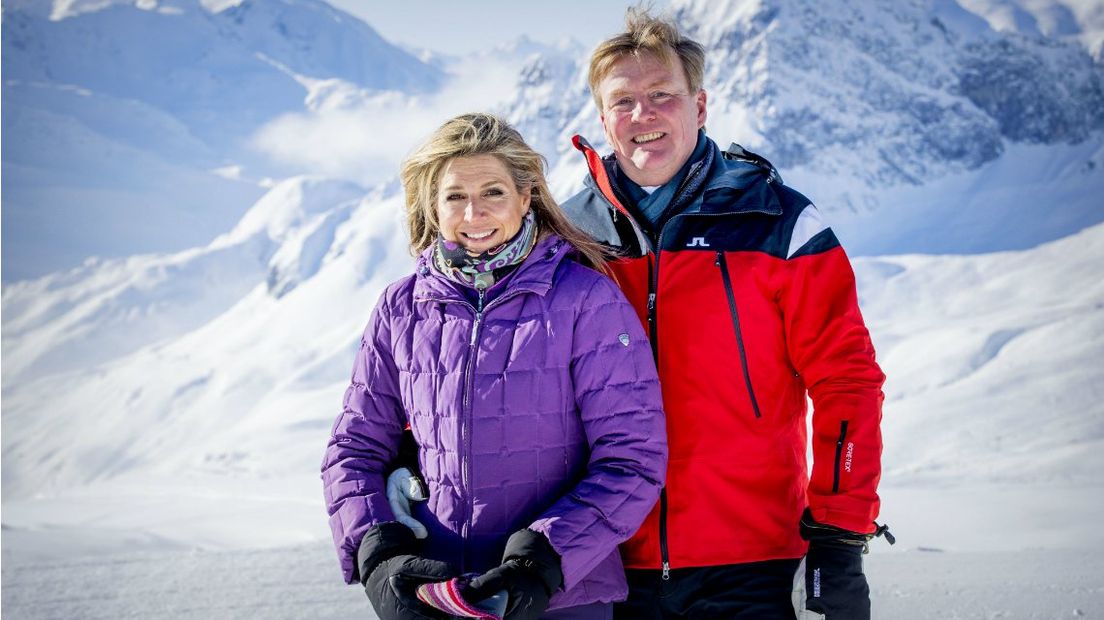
{"type": "Point", "coordinates": [478, 318]}
{"type": "Point", "coordinates": [666, 571]}
{"type": "Point", "coordinates": [651, 302]}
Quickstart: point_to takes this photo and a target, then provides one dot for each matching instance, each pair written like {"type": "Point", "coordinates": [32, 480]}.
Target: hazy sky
{"type": "Point", "coordinates": [458, 27]}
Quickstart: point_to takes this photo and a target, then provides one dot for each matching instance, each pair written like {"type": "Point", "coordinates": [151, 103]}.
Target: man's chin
{"type": "Point", "coordinates": [650, 171]}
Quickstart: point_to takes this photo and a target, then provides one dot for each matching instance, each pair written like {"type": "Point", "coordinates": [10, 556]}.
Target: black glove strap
{"type": "Point", "coordinates": [822, 533]}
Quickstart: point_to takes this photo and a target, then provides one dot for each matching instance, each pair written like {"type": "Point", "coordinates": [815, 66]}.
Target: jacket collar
{"type": "Point", "coordinates": [735, 185]}
{"type": "Point", "coordinates": [533, 275]}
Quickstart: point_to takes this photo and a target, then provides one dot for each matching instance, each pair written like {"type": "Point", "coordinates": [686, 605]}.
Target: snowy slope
{"type": "Point", "coordinates": [303, 582]}
{"type": "Point", "coordinates": [170, 375]}
{"type": "Point", "coordinates": [107, 308]}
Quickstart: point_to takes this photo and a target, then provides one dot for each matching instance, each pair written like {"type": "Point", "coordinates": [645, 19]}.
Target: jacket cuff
{"type": "Point", "coordinates": [536, 554]}
{"type": "Point", "coordinates": [382, 542]}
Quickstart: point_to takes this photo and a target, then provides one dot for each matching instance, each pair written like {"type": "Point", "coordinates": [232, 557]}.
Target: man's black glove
{"type": "Point", "coordinates": [391, 572]}
{"type": "Point", "coordinates": [529, 573]}
{"type": "Point", "coordinates": [830, 583]}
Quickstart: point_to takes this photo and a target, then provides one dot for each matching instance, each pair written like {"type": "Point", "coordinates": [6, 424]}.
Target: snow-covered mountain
{"type": "Point", "coordinates": [128, 126]}
{"type": "Point", "coordinates": [210, 375]}
{"type": "Point", "coordinates": [1068, 20]}
{"type": "Point", "coordinates": [856, 98]}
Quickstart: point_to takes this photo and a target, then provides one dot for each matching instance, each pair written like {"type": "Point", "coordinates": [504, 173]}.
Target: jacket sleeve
{"type": "Point", "coordinates": [830, 347]}
{"type": "Point", "coordinates": [364, 441]}
{"type": "Point", "coordinates": [618, 399]}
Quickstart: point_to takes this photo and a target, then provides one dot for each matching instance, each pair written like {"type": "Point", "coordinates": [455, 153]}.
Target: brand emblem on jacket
{"type": "Point", "coordinates": [697, 242]}
{"type": "Point", "coordinates": [624, 338]}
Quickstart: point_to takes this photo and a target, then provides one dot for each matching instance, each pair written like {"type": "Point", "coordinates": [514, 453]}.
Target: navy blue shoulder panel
{"type": "Point", "coordinates": [821, 242]}
{"type": "Point", "coordinates": [760, 219]}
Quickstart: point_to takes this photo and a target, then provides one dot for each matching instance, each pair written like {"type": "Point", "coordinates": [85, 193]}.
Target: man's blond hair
{"type": "Point", "coordinates": [645, 33]}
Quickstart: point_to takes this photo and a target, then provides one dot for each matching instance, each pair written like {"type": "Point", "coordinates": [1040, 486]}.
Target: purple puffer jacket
{"type": "Point", "coordinates": [541, 412]}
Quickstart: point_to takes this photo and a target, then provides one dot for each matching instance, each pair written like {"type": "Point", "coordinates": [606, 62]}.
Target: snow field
{"type": "Point", "coordinates": [303, 581]}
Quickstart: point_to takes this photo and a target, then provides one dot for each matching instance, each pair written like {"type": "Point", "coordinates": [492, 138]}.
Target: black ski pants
{"type": "Point", "coordinates": [753, 591]}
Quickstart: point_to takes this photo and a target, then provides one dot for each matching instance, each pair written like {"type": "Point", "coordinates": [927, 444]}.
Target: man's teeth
{"type": "Point", "coordinates": [478, 236]}
{"type": "Point", "coordinates": [648, 137]}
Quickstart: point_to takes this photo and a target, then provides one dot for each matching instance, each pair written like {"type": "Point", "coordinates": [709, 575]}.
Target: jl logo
{"type": "Point", "coordinates": [624, 338]}
{"type": "Point", "coordinates": [697, 242]}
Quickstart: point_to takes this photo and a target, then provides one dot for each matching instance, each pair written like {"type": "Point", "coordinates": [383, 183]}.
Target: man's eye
{"type": "Point", "coordinates": [661, 96]}
{"type": "Point", "coordinates": [622, 103]}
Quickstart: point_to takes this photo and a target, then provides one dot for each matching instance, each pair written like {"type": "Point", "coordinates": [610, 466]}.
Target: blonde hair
{"type": "Point", "coordinates": [645, 33]}
{"type": "Point", "coordinates": [473, 134]}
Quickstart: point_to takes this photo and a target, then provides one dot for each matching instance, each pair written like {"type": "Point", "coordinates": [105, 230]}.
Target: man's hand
{"type": "Point", "coordinates": [830, 584]}
{"type": "Point", "coordinates": [404, 488]}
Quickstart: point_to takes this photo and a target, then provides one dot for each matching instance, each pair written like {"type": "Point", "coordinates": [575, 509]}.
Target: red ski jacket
{"type": "Point", "coordinates": [750, 305]}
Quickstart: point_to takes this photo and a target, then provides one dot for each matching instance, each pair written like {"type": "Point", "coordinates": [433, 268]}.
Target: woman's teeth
{"type": "Point", "coordinates": [479, 236]}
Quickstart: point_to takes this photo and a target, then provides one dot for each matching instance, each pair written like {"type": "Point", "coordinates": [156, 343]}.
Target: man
{"type": "Point", "coordinates": [750, 305]}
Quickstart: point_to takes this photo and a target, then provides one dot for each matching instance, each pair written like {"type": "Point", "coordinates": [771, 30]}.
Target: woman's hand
{"type": "Point", "coordinates": [529, 573]}
{"type": "Point", "coordinates": [392, 587]}
{"type": "Point", "coordinates": [391, 572]}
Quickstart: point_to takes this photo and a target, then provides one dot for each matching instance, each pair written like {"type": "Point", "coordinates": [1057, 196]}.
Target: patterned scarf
{"type": "Point", "coordinates": [478, 272]}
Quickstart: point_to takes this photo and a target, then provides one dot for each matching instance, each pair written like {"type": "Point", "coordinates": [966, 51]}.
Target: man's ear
{"type": "Point", "coordinates": [700, 101]}
{"type": "Point", "coordinates": [606, 129]}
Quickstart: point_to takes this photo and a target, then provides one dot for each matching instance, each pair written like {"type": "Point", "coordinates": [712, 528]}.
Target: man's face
{"type": "Point", "coordinates": [650, 117]}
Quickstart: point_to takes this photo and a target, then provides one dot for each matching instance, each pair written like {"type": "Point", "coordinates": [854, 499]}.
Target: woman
{"type": "Point", "coordinates": [529, 387]}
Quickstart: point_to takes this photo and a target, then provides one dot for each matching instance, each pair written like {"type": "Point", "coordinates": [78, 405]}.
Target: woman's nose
{"type": "Point", "coordinates": [473, 210]}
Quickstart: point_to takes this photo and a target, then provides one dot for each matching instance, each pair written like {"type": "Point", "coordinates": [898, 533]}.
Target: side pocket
{"type": "Point", "coordinates": [839, 456]}
{"type": "Point", "coordinates": [723, 265]}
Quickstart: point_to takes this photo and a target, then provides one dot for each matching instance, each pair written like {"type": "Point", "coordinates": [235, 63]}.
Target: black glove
{"type": "Point", "coordinates": [391, 572]}
{"type": "Point", "coordinates": [835, 585]}
{"type": "Point", "coordinates": [529, 573]}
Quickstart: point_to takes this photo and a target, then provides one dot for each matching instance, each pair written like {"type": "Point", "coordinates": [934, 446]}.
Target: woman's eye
{"type": "Point", "coordinates": [494, 191]}
{"type": "Point", "coordinates": [451, 197]}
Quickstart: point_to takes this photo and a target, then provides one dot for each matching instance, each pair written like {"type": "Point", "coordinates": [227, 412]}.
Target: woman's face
{"type": "Point", "coordinates": [477, 204]}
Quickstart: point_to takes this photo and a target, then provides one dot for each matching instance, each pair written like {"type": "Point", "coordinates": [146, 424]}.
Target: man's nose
{"type": "Point", "coordinates": [643, 109]}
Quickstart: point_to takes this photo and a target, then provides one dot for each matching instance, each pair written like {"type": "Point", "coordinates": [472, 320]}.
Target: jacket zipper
{"type": "Point", "coordinates": [653, 279]}
{"type": "Point", "coordinates": [466, 431]}
{"type": "Point", "coordinates": [723, 264]}
{"type": "Point", "coordinates": [653, 287]}
{"type": "Point", "coordinates": [839, 456]}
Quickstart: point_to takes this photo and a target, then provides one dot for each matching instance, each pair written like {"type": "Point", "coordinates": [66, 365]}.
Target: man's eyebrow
{"type": "Point", "coordinates": [666, 84]}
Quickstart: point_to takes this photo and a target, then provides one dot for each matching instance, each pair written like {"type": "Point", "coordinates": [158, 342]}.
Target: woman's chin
{"type": "Point", "coordinates": [477, 248]}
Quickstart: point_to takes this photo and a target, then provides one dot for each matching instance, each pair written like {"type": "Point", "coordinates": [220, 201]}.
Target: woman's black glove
{"type": "Point", "coordinates": [391, 572]}
{"type": "Point", "coordinates": [529, 573]}
{"type": "Point", "coordinates": [831, 583]}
